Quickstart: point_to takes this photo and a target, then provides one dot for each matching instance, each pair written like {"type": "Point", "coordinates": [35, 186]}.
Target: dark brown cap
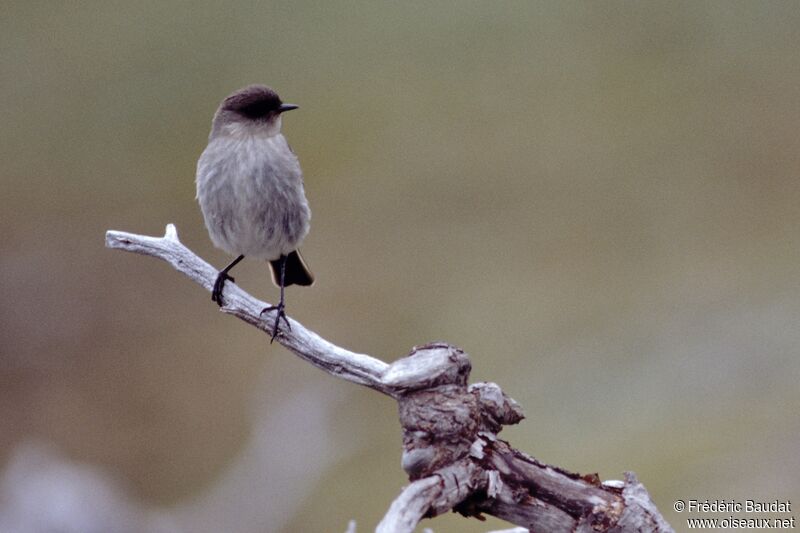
{"type": "Point", "coordinates": [255, 102]}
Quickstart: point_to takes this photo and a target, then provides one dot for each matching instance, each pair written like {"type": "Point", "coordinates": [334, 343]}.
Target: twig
{"type": "Point", "coordinates": [355, 367]}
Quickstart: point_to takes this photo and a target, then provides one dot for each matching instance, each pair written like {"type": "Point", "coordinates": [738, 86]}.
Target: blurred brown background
{"type": "Point", "coordinates": [599, 202]}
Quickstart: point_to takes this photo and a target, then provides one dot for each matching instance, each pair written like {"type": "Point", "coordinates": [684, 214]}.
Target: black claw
{"type": "Point", "coordinates": [281, 306]}
{"type": "Point", "coordinates": [219, 285]}
{"type": "Point", "coordinates": [280, 314]}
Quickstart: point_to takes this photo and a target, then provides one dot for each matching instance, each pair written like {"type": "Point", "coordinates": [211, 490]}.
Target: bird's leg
{"type": "Point", "coordinates": [219, 284]}
{"type": "Point", "coordinates": [280, 314]}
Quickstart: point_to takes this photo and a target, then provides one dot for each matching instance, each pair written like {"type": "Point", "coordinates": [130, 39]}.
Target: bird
{"type": "Point", "coordinates": [250, 191]}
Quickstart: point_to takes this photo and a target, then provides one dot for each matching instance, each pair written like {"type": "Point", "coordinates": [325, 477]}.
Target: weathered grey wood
{"type": "Point", "coordinates": [355, 367]}
{"type": "Point", "coordinates": [430, 497]}
{"type": "Point", "coordinates": [639, 513]}
{"type": "Point", "coordinates": [450, 447]}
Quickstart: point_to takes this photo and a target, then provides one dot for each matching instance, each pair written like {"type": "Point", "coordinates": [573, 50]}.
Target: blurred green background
{"type": "Point", "coordinates": [599, 202]}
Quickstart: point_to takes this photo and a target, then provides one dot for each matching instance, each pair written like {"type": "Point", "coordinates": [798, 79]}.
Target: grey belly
{"type": "Point", "coordinates": [255, 217]}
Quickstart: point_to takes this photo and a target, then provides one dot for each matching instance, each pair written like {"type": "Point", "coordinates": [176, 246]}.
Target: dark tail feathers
{"type": "Point", "coordinates": [297, 272]}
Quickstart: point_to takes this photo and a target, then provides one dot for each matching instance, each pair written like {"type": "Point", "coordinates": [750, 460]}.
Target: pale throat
{"type": "Point", "coordinates": [253, 128]}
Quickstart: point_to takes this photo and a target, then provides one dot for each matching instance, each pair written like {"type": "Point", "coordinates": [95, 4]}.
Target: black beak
{"type": "Point", "coordinates": [287, 107]}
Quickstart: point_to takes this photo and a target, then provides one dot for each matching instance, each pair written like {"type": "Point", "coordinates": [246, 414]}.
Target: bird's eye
{"type": "Point", "coordinates": [257, 109]}
{"type": "Point", "coordinates": [260, 109]}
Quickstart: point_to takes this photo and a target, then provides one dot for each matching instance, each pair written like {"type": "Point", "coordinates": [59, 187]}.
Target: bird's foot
{"type": "Point", "coordinates": [219, 284]}
{"type": "Point", "coordinates": [280, 314]}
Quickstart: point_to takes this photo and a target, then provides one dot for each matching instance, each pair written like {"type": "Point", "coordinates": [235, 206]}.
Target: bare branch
{"type": "Point", "coordinates": [431, 496]}
{"type": "Point", "coordinates": [355, 367]}
{"type": "Point", "coordinates": [410, 507]}
{"type": "Point", "coordinates": [451, 452]}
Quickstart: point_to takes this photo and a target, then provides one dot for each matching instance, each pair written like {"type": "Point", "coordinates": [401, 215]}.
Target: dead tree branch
{"type": "Point", "coordinates": [451, 452]}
